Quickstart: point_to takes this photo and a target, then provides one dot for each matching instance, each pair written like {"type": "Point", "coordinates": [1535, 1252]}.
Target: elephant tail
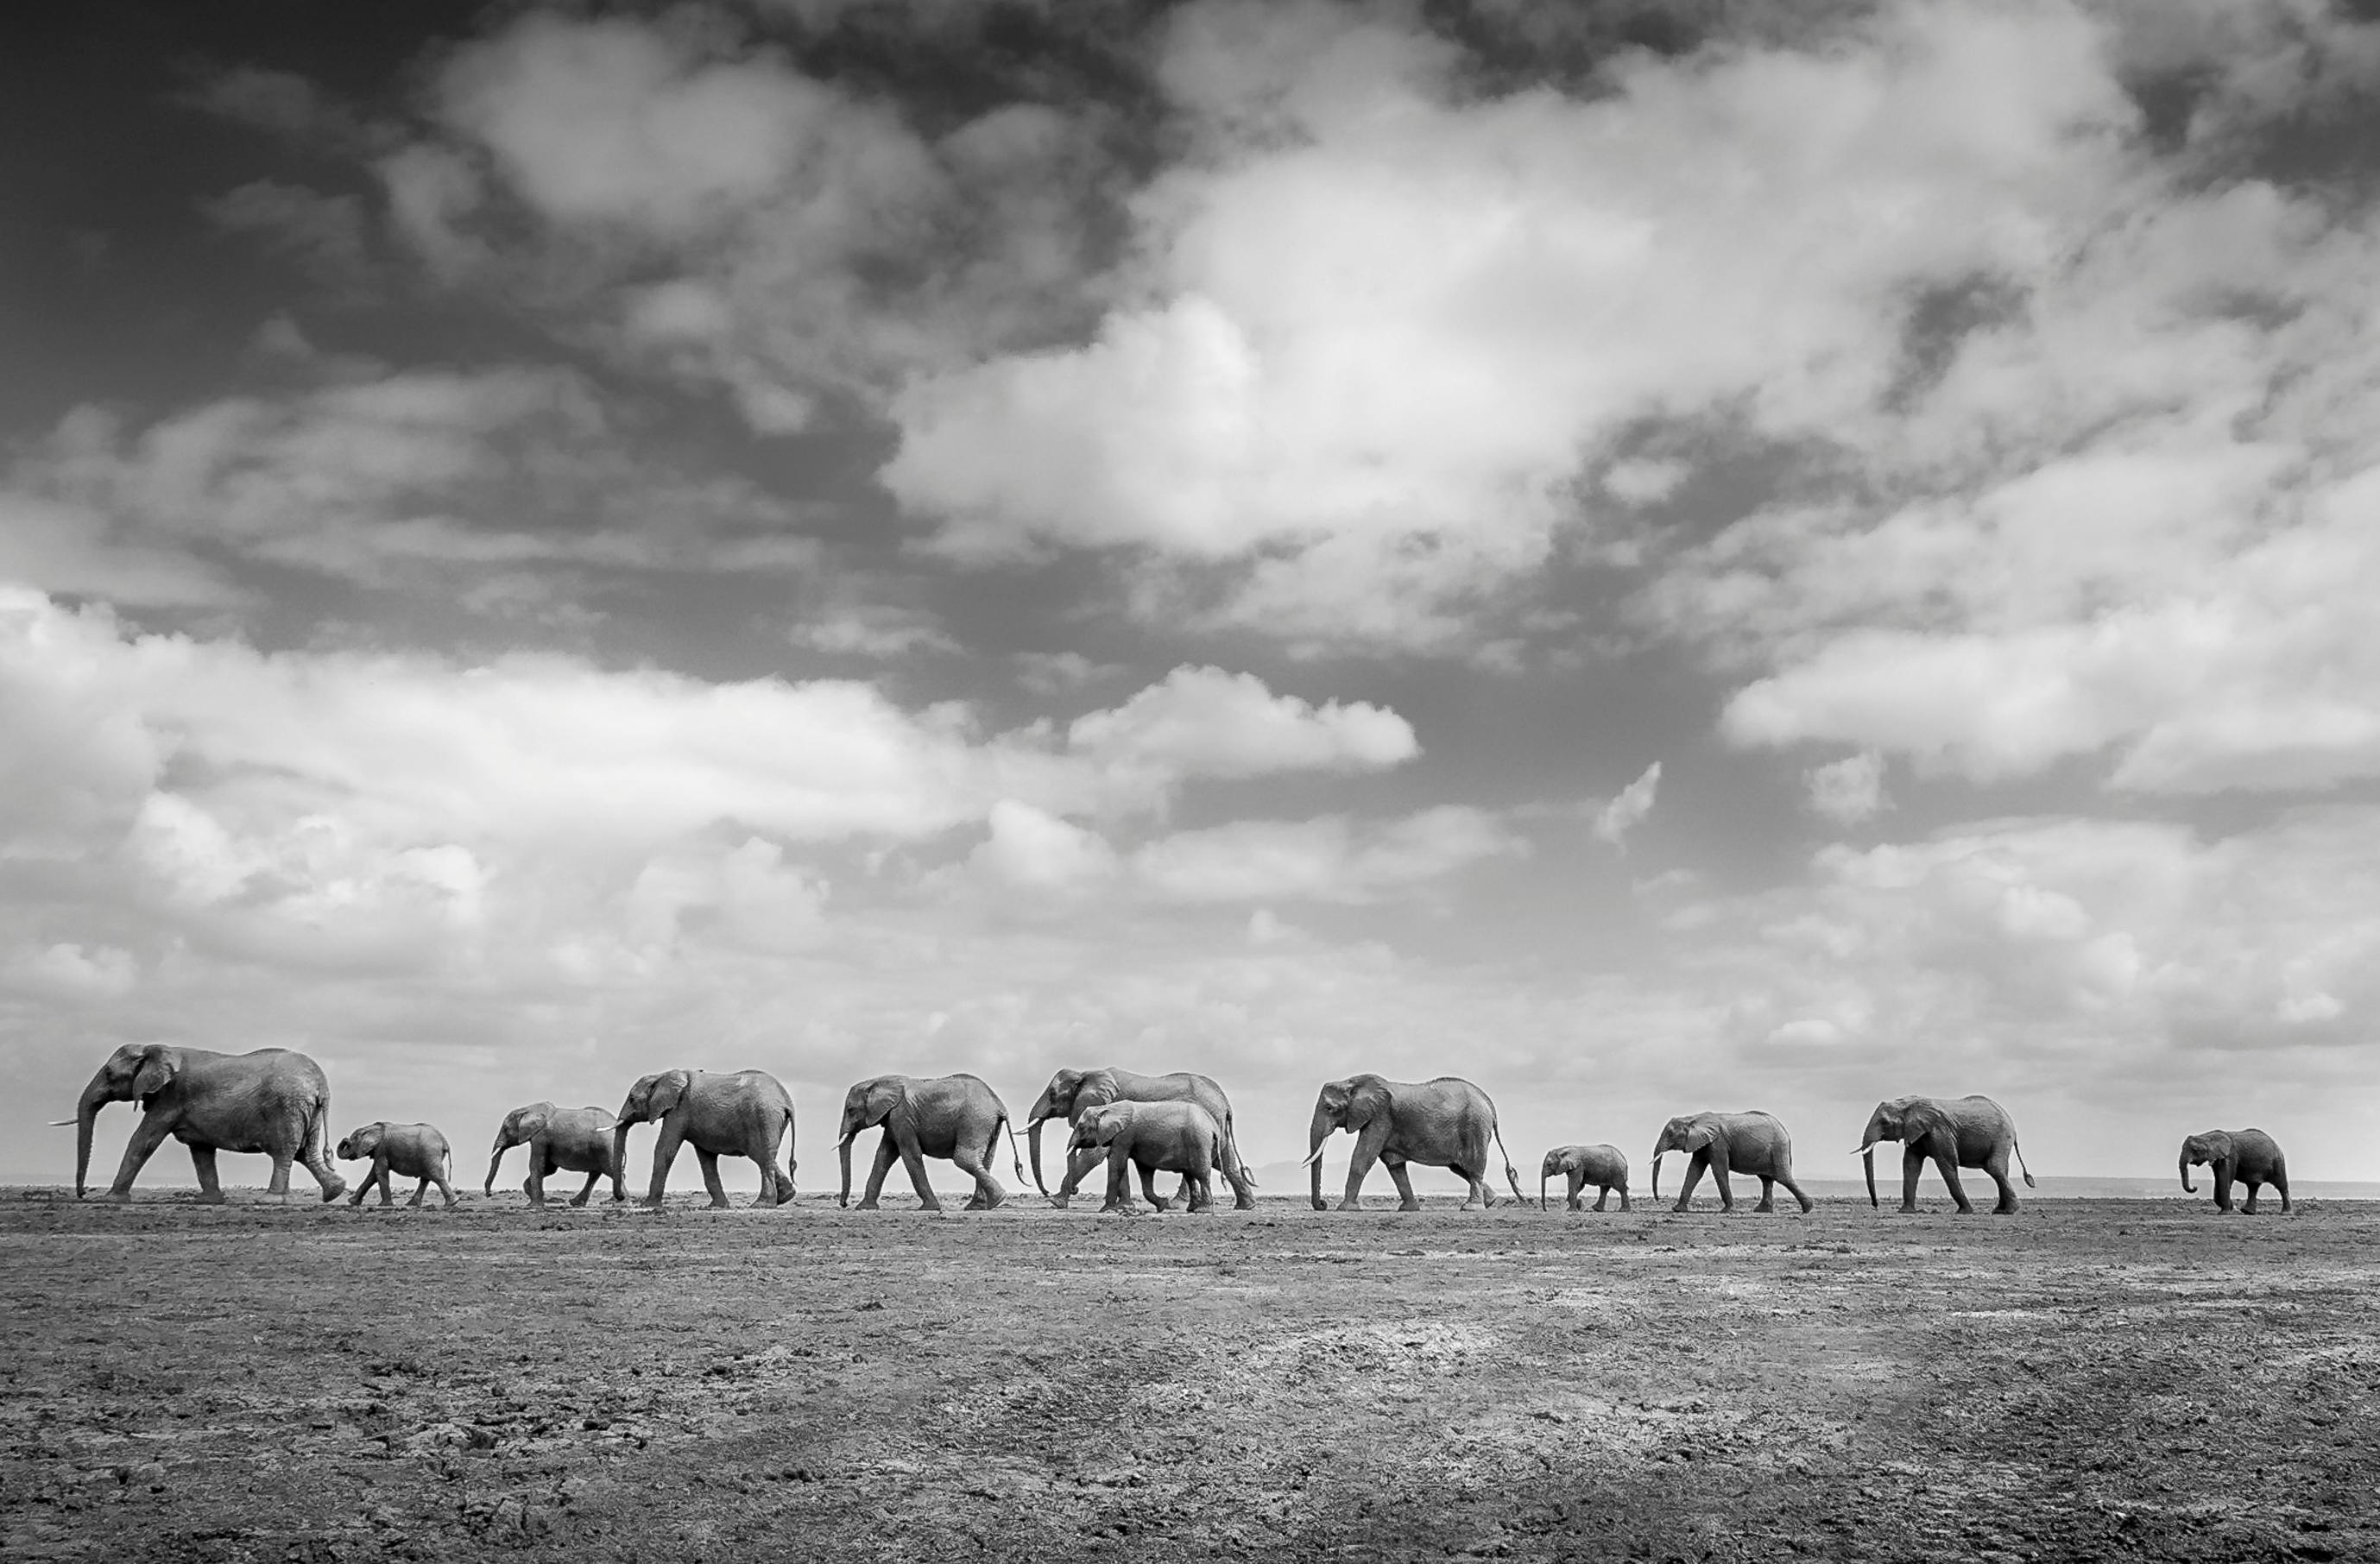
{"type": "Point", "coordinates": [2019, 1162]}
{"type": "Point", "coordinates": [1511, 1174]}
{"type": "Point", "coordinates": [1015, 1157]}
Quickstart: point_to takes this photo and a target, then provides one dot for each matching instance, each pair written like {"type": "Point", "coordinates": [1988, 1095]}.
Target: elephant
{"type": "Point", "coordinates": [2250, 1156]}
{"type": "Point", "coordinates": [1751, 1143]}
{"type": "Point", "coordinates": [1602, 1166]}
{"type": "Point", "coordinates": [954, 1117]}
{"type": "Point", "coordinates": [1172, 1137]}
{"type": "Point", "coordinates": [272, 1100]}
{"type": "Point", "coordinates": [410, 1151]}
{"type": "Point", "coordinates": [1954, 1132]}
{"type": "Point", "coordinates": [1071, 1093]}
{"type": "Point", "coordinates": [574, 1140]}
{"type": "Point", "coordinates": [1442, 1123]}
{"type": "Point", "coordinates": [744, 1114]}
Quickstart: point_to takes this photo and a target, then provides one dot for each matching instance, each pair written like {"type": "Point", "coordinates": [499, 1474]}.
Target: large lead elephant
{"type": "Point", "coordinates": [560, 1140]}
{"type": "Point", "coordinates": [1952, 1133]}
{"type": "Point", "coordinates": [1751, 1143]}
{"type": "Point", "coordinates": [1073, 1093]}
{"type": "Point", "coordinates": [744, 1114]}
{"type": "Point", "coordinates": [2252, 1156]}
{"type": "Point", "coordinates": [1442, 1123]}
{"type": "Point", "coordinates": [956, 1118]}
{"type": "Point", "coordinates": [272, 1101]}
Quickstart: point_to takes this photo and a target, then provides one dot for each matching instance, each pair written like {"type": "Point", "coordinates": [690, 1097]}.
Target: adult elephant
{"type": "Point", "coordinates": [743, 1114]}
{"type": "Point", "coordinates": [560, 1140]}
{"type": "Point", "coordinates": [2252, 1156]}
{"type": "Point", "coordinates": [955, 1118]}
{"type": "Point", "coordinates": [1751, 1143]}
{"type": "Point", "coordinates": [1442, 1123]}
{"type": "Point", "coordinates": [272, 1101]}
{"type": "Point", "coordinates": [1073, 1093]}
{"type": "Point", "coordinates": [1952, 1133]}
{"type": "Point", "coordinates": [1579, 1166]}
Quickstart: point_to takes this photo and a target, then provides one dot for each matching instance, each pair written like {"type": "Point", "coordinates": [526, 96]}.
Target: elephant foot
{"type": "Point", "coordinates": [1116, 1208]}
{"type": "Point", "coordinates": [715, 1206]}
{"type": "Point", "coordinates": [1408, 1204]}
{"type": "Point", "coordinates": [577, 1204]}
{"type": "Point", "coordinates": [1766, 1205]}
{"type": "Point", "coordinates": [933, 1205]}
{"type": "Point", "coordinates": [333, 1190]}
{"type": "Point", "coordinates": [1680, 1207]}
{"type": "Point", "coordinates": [1322, 1205]}
{"type": "Point", "coordinates": [993, 1201]}
{"type": "Point", "coordinates": [1161, 1204]}
{"type": "Point", "coordinates": [1057, 1200]}
{"type": "Point", "coordinates": [1909, 1209]}
{"type": "Point", "coordinates": [1243, 1203]}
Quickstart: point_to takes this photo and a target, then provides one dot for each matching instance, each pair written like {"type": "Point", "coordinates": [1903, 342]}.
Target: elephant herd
{"type": "Point", "coordinates": [278, 1103]}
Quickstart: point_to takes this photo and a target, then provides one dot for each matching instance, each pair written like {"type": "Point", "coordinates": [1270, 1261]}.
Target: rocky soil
{"type": "Point", "coordinates": [2108, 1379]}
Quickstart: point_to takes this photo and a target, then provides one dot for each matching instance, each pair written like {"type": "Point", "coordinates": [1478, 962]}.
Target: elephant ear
{"type": "Point", "coordinates": [1922, 1119]}
{"type": "Point", "coordinates": [2217, 1144]}
{"type": "Point", "coordinates": [528, 1122]}
{"type": "Point", "coordinates": [158, 1068]}
{"type": "Point", "coordinates": [1699, 1133]}
{"type": "Point", "coordinates": [1369, 1100]}
{"type": "Point", "coordinates": [669, 1087]}
{"type": "Point", "coordinates": [884, 1095]}
{"type": "Point", "coordinates": [1094, 1088]}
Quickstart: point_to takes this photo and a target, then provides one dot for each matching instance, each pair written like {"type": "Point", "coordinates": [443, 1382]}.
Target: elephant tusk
{"type": "Point", "coordinates": [61, 1123]}
{"type": "Point", "coordinates": [1312, 1158]}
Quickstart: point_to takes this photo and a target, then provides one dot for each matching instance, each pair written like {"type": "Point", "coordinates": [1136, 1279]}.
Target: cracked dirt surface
{"type": "Point", "coordinates": [2109, 1379]}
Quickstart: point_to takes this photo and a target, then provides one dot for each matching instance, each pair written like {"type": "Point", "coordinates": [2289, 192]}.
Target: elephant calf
{"type": "Point", "coordinates": [1169, 1138]}
{"type": "Point", "coordinates": [1602, 1166]}
{"type": "Point", "coordinates": [560, 1140]}
{"type": "Point", "coordinates": [2252, 1156]}
{"type": "Point", "coordinates": [412, 1151]}
{"type": "Point", "coordinates": [1753, 1143]}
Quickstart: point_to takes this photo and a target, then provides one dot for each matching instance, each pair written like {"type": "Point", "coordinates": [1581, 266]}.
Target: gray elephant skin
{"type": "Point", "coordinates": [956, 1118]}
{"type": "Point", "coordinates": [272, 1101]}
{"type": "Point", "coordinates": [1751, 1143]}
{"type": "Point", "coordinates": [560, 1140]}
{"type": "Point", "coordinates": [408, 1151]}
{"type": "Point", "coordinates": [1071, 1093]}
{"type": "Point", "coordinates": [742, 1114]}
{"type": "Point", "coordinates": [1951, 1132]}
{"type": "Point", "coordinates": [1156, 1137]}
{"type": "Point", "coordinates": [2250, 1156]}
{"type": "Point", "coordinates": [1445, 1123]}
{"type": "Point", "coordinates": [1579, 1166]}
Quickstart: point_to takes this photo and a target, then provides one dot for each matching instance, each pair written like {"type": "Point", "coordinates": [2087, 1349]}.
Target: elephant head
{"type": "Point", "coordinates": [362, 1143]}
{"type": "Point", "coordinates": [866, 1105]}
{"type": "Point", "coordinates": [1097, 1129]}
{"type": "Point", "coordinates": [1557, 1161]}
{"type": "Point", "coordinates": [1056, 1101]}
{"type": "Point", "coordinates": [521, 1126]}
{"type": "Point", "coordinates": [1688, 1133]}
{"type": "Point", "coordinates": [132, 1073]}
{"type": "Point", "coordinates": [2211, 1146]}
{"type": "Point", "coordinates": [651, 1098]}
{"type": "Point", "coordinates": [1347, 1105]}
{"type": "Point", "coordinates": [1902, 1119]}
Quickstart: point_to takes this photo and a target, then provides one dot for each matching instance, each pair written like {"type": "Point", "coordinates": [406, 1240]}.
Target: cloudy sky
{"type": "Point", "coordinates": [1655, 556]}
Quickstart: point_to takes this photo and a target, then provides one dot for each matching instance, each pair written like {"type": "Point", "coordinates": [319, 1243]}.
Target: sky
{"type": "Point", "coordinates": [1653, 556]}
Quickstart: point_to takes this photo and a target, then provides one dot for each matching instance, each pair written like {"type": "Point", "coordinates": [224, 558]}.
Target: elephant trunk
{"type": "Point", "coordinates": [619, 1158]}
{"type": "Point", "coordinates": [1541, 1190]}
{"type": "Point", "coordinates": [1867, 1162]}
{"type": "Point", "coordinates": [843, 1151]}
{"type": "Point", "coordinates": [496, 1160]}
{"type": "Point", "coordinates": [1033, 1144]}
{"type": "Point", "coordinates": [2185, 1174]}
{"type": "Point", "coordinates": [96, 1096]}
{"type": "Point", "coordinates": [1656, 1174]}
{"type": "Point", "coordinates": [1316, 1133]}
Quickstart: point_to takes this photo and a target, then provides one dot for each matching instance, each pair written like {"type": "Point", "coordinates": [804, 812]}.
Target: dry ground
{"type": "Point", "coordinates": [2114, 1380]}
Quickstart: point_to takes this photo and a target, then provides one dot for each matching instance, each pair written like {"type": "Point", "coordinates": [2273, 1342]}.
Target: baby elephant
{"type": "Point", "coordinates": [1601, 1166]}
{"type": "Point", "coordinates": [412, 1151]}
{"type": "Point", "coordinates": [1156, 1137]}
{"type": "Point", "coordinates": [2250, 1156]}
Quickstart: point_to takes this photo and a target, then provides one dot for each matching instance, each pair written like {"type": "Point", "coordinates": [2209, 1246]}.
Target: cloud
{"type": "Point", "coordinates": [1627, 811]}
{"type": "Point", "coordinates": [1326, 859]}
{"type": "Point", "coordinates": [1846, 791]}
{"type": "Point", "coordinates": [1204, 722]}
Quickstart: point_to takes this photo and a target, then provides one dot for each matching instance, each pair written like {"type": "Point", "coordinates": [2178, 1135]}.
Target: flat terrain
{"type": "Point", "coordinates": [2111, 1379]}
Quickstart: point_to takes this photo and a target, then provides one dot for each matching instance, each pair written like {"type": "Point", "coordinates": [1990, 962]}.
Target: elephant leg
{"type": "Point", "coordinates": [1149, 1187]}
{"type": "Point", "coordinates": [314, 1152]}
{"type": "Point", "coordinates": [2222, 1185]}
{"type": "Point", "coordinates": [1784, 1175]}
{"type": "Point", "coordinates": [420, 1188]}
{"type": "Point", "coordinates": [1695, 1166]}
{"type": "Point", "coordinates": [1949, 1163]}
{"type": "Point", "coordinates": [380, 1172]}
{"type": "Point", "coordinates": [1625, 1203]}
{"type": "Point", "coordinates": [586, 1190]}
{"type": "Point", "coordinates": [1235, 1174]}
{"type": "Point", "coordinates": [1768, 1193]}
{"type": "Point", "coordinates": [763, 1154]}
{"type": "Point", "coordinates": [445, 1188]}
{"type": "Point", "coordinates": [968, 1159]}
{"type": "Point", "coordinates": [1406, 1199]}
{"type": "Point", "coordinates": [147, 1136]}
{"type": "Point", "coordinates": [1996, 1165]}
{"type": "Point", "coordinates": [539, 1166]}
{"type": "Point", "coordinates": [1913, 1163]}
{"type": "Point", "coordinates": [915, 1162]}
{"type": "Point", "coordinates": [2281, 1187]}
{"type": "Point", "coordinates": [1078, 1168]}
{"type": "Point", "coordinates": [202, 1158]}
{"type": "Point", "coordinates": [876, 1171]}
{"type": "Point", "coordinates": [1577, 1182]}
{"type": "Point", "coordinates": [361, 1190]}
{"type": "Point", "coordinates": [665, 1147]}
{"type": "Point", "coordinates": [708, 1160]}
{"type": "Point", "coordinates": [1202, 1191]}
{"type": "Point", "coordinates": [279, 1186]}
{"type": "Point", "coordinates": [2253, 1186]}
{"type": "Point", "coordinates": [1119, 1188]}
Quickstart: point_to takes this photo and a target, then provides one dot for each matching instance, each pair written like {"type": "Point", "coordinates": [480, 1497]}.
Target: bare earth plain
{"type": "Point", "coordinates": [2111, 1379]}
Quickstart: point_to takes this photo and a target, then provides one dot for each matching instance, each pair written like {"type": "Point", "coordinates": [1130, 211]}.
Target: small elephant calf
{"type": "Point", "coordinates": [1156, 1137]}
{"type": "Point", "coordinates": [412, 1151]}
{"type": "Point", "coordinates": [1602, 1166]}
